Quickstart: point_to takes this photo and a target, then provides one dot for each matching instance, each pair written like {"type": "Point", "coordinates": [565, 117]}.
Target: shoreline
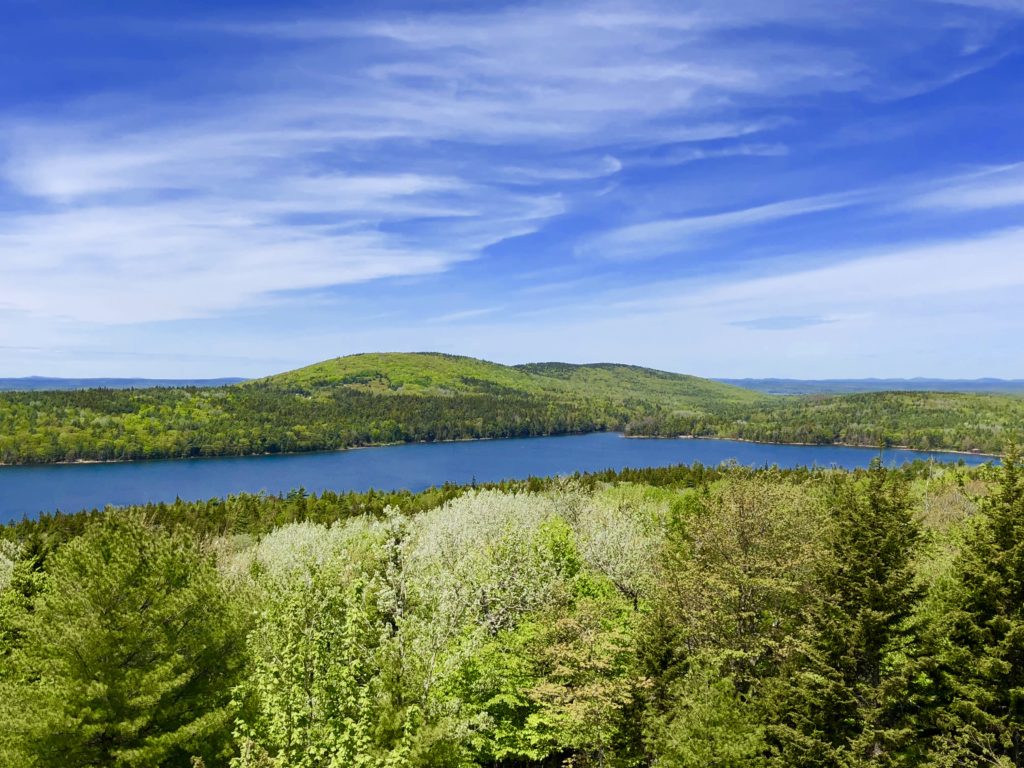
{"type": "Point", "coordinates": [78, 462]}
{"type": "Point", "coordinates": [817, 445]}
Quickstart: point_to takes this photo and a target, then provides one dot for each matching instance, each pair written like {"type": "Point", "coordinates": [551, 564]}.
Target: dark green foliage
{"type": "Point", "coordinates": [111, 425]}
{"type": "Point", "coordinates": [919, 420]}
{"type": "Point", "coordinates": [125, 656]}
{"type": "Point", "coordinates": [845, 700]}
{"type": "Point", "coordinates": [983, 656]}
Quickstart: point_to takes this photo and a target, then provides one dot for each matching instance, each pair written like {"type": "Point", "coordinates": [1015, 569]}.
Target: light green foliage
{"type": "Point", "coordinates": [619, 530]}
{"type": "Point", "coordinates": [691, 617]}
{"type": "Point", "coordinates": [8, 557]}
{"type": "Point", "coordinates": [586, 679]}
{"type": "Point", "coordinates": [736, 569]}
{"type": "Point", "coordinates": [560, 677]}
{"type": "Point", "coordinates": [732, 586]}
{"type": "Point", "coordinates": [316, 694]}
{"type": "Point", "coordinates": [126, 656]}
{"type": "Point", "coordinates": [311, 674]}
{"type": "Point", "coordinates": [430, 373]}
{"type": "Point", "coordinates": [346, 656]}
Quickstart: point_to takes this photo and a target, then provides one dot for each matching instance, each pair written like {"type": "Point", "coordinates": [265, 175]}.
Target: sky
{"type": "Point", "coordinates": [727, 188]}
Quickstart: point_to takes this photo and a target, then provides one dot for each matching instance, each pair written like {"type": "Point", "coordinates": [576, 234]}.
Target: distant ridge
{"type": "Point", "coordinates": [845, 386]}
{"type": "Point", "coordinates": [34, 383]}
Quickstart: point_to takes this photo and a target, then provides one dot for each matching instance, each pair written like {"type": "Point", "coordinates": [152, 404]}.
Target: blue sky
{"type": "Point", "coordinates": [731, 188]}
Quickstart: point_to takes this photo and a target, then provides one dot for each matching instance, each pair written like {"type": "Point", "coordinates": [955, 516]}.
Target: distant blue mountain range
{"type": "Point", "coordinates": [846, 386]}
{"type": "Point", "coordinates": [29, 383]}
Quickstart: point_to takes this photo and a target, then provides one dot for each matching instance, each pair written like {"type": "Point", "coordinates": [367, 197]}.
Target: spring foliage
{"type": "Point", "coordinates": [683, 617]}
{"type": "Point", "coordinates": [376, 399]}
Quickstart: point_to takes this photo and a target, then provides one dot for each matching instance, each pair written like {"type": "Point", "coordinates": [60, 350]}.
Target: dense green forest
{"type": "Point", "coordinates": [682, 616]}
{"type": "Point", "coordinates": [375, 399]}
{"type": "Point", "coordinates": [923, 420]}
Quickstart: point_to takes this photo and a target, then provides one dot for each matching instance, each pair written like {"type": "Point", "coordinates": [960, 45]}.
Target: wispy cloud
{"type": "Point", "coordinates": [1011, 6]}
{"type": "Point", "coordinates": [466, 314]}
{"type": "Point", "coordinates": [781, 322]}
{"type": "Point", "coordinates": [667, 236]}
{"type": "Point", "coordinates": [858, 281]}
{"type": "Point", "coordinates": [370, 147]}
{"type": "Point", "coordinates": [1001, 187]}
{"type": "Point", "coordinates": [312, 183]}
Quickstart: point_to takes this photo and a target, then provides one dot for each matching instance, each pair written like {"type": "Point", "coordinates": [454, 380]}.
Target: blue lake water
{"type": "Point", "coordinates": [30, 490]}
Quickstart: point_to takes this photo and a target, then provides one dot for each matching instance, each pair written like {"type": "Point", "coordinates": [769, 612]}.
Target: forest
{"type": "Point", "coordinates": [681, 616]}
{"type": "Point", "coordinates": [920, 420]}
{"type": "Point", "coordinates": [389, 398]}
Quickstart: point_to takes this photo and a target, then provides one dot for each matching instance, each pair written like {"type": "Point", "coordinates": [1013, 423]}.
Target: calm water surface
{"type": "Point", "coordinates": [30, 490]}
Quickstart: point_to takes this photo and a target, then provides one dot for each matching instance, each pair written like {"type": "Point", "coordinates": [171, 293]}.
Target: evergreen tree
{"type": "Point", "coordinates": [126, 656]}
{"type": "Point", "coordinates": [845, 702]}
{"type": "Point", "coordinates": [984, 654]}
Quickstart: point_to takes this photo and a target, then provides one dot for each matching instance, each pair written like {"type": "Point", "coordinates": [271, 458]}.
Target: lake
{"type": "Point", "coordinates": [71, 487]}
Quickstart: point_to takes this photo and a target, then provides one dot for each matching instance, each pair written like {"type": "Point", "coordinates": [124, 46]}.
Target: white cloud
{"type": "Point", "coordinates": [171, 262]}
{"type": "Point", "coordinates": [987, 189]}
{"type": "Point", "coordinates": [878, 282]}
{"type": "Point", "coordinates": [666, 236]}
{"type": "Point", "coordinates": [1013, 6]}
{"type": "Point", "coordinates": [359, 160]}
{"type": "Point", "coordinates": [466, 314]}
{"type": "Point", "coordinates": [942, 309]}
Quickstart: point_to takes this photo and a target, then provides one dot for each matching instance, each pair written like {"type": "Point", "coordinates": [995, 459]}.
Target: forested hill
{"type": "Point", "coordinates": [426, 373]}
{"type": "Point", "coordinates": [387, 398]}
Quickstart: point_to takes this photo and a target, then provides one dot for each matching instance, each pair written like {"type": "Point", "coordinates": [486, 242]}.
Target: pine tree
{"type": "Point", "coordinates": [984, 657]}
{"type": "Point", "coordinates": [844, 702]}
{"type": "Point", "coordinates": [126, 657]}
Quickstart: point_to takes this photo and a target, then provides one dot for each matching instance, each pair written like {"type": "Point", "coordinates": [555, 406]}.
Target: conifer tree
{"type": "Point", "coordinates": [127, 655]}
{"type": "Point", "coordinates": [984, 719]}
{"type": "Point", "coordinates": [844, 703]}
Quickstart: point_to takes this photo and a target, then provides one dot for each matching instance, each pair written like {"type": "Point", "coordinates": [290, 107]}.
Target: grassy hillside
{"type": "Point", "coordinates": [374, 399]}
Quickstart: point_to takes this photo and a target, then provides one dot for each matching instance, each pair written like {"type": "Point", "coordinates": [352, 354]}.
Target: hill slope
{"type": "Point", "coordinates": [387, 398]}
{"type": "Point", "coordinates": [406, 373]}
{"type": "Point", "coordinates": [431, 373]}
{"type": "Point", "coordinates": [356, 400]}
